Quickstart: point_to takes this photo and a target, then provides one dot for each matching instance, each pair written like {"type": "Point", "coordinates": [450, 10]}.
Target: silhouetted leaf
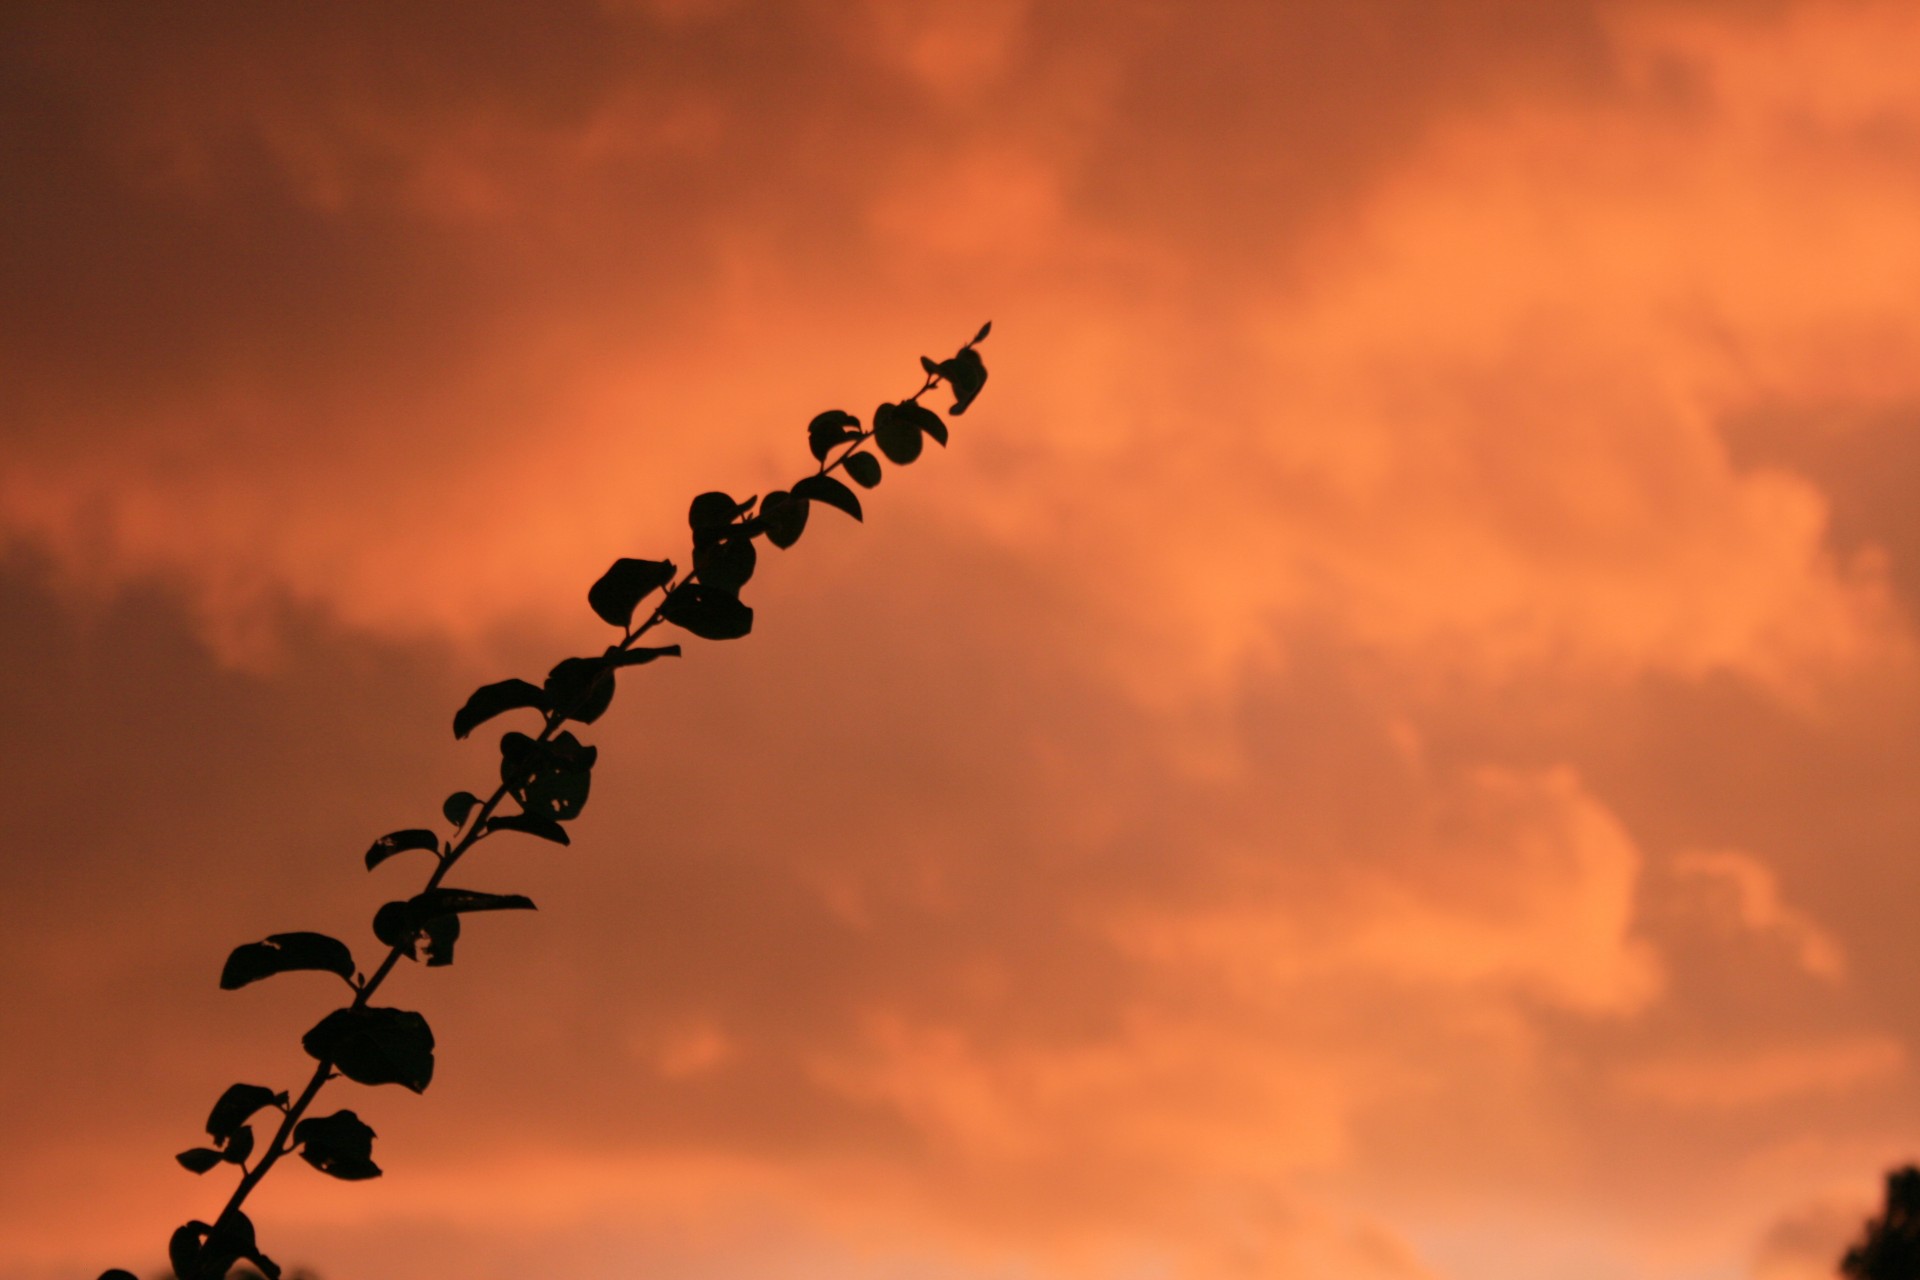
{"type": "Point", "coordinates": [709, 613]}
{"type": "Point", "coordinates": [575, 687]}
{"type": "Point", "coordinates": [240, 1147]}
{"type": "Point", "coordinates": [981, 336]}
{"type": "Point", "coordinates": [784, 516]}
{"type": "Point", "coordinates": [532, 824]}
{"type": "Point", "coordinates": [712, 514]}
{"type": "Point", "coordinates": [118, 1274]}
{"type": "Point", "coordinates": [437, 936]}
{"type": "Point", "coordinates": [283, 953]}
{"type": "Point", "coordinates": [198, 1159]}
{"type": "Point", "coordinates": [726, 566]}
{"type": "Point", "coordinates": [897, 434]}
{"type": "Point", "coordinates": [200, 1252]}
{"type": "Point", "coordinates": [399, 842]}
{"type": "Point", "coordinates": [457, 807]}
{"type": "Point", "coordinates": [621, 588]}
{"type": "Point", "coordinates": [339, 1145]}
{"type": "Point", "coordinates": [183, 1249]}
{"type": "Point", "coordinates": [966, 373]}
{"type": "Point", "coordinates": [830, 491]}
{"type": "Point", "coordinates": [927, 420]}
{"type": "Point", "coordinates": [864, 468]}
{"type": "Point", "coordinates": [834, 427]}
{"type": "Point", "coordinates": [432, 920]}
{"type": "Point", "coordinates": [550, 778]}
{"type": "Point", "coordinates": [490, 700]}
{"type": "Point", "coordinates": [640, 657]}
{"type": "Point", "coordinates": [375, 1046]}
{"type": "Point", "coordinates": [238, 1105]}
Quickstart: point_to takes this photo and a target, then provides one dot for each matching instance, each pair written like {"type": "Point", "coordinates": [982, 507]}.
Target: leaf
{"type": "Point", "coordinates": [284, 953]}
{"type": "Point", "coordinates": [621, 588]}
{"type": "Point", "coordinates": [897, 435]}
{"type": "Point", "coordinates": [981, 336]}
{"type": "Point", "coordinates": [399, 842]}
{"type": "Point", "coordinates": [577, 691]}
{"type": "Point", "coordinates": [966, 373]}
{"type": "Point", "coordinates": [926, 419]}
{"type": "Point", "coordinates": [490, 700]}
{"type": "Point", "coordinates": [118, 1274]}
{"type": "Point", "coordinates": [932, 369]}
{"type": "Point", "coordinates": [457, 807]}
{"type": "Point", "coordinates": [198, 1159]}
{"type": "Point", "coordinates": [238, 1105]}
{"type": "Point", "coordinates": [725, 566]}
{"type": "Point", "coordinates": [830, 491]}
{"type": "Point", "coordinates": [834, 427]}
{"type": "Point", "coordinates": [532, 824]}
{"type": "Point", "coordinates": [339, 1145]}
{"type": "Point", "coordinates": [375, 1046]}
{"type": "Point", "coordinates": [864, 468]}
{"type": "Point", "coordinates": [549, 778]}
{"type": "Point", "coordinates": [433, 919]}
{"type": "Point", "coordinates": [709, 613]}
{"type": "Point", "coordinates": [183, 1248]}
{"type": "Point", "coordinates": [784, 516]}
{"type": "Point", "coordinates": [640, 657]}
{"type": "Point", "coordinates": [712, 514]}
{"type": "Point", "coordinates": [200, 1252]}
{"type": "Point", "coordinates": [240, 1147]}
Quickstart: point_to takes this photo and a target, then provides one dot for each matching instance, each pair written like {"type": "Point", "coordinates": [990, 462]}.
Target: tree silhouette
{"type": "Point", "coordinates": [546, 777]}
{"type": "Point", "coordinates": [1890, 1250]}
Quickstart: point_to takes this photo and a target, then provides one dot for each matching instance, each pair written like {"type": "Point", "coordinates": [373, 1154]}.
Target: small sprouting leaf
{"type": "Point", "coordinates": [240, 1147]}
{"type": "Point", "coordinates": [198, 1159]}
{"type": "Point", "coordinates": [981, 336]}
{"type": "Point", "coordinates": [532, 824]}
{"type": "Point", "coordinates": [784, 516]}
{"type": "Point", "coordinates": [725, 566]}
{"type": "Point", "coordinates": [640, 657]}
{"type": "Point", "coordinates": [834, 427]}
{"type": "Point", "coordinates": [490, 700]}
{"type": "Point", "coordinates": [399, 842]}
{"type": "Point", "coordinates": [375, 1046]}
{"type": "Point", "coordinates": [457, 807]}
{"type": "Point", "coordinates": [864, 468]}
{"type": "Point", "coordinates": [283, 953]}
{"type": "Point", "coordinates": [966, 373]}
{"type": "Point", "coordinates": [580, 688]}
{"type": "Point", "coordinates": [933, 370]}
{"type": "Point", "coordinates": [339, 1145]}
{"type": "Point", "coordinates": [237, 1106]}
{"type": "Point", "coordinates": [621, 588]}
{"type": "Point", "coordinates": [897, 434]}
{"type": "Point", "coordinates": [712, 514]}
{"type": "Point", "coordinates": [830, 491]}
{"type": "Point", "coordinates": [709, 613]}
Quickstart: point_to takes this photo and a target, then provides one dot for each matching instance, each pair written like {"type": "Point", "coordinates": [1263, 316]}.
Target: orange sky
{"type": "Point", "coordinates": [1383, 751]}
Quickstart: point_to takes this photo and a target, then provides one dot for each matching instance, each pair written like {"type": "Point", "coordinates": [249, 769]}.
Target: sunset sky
{"type": "Point", "coordinates": [1385, 749]}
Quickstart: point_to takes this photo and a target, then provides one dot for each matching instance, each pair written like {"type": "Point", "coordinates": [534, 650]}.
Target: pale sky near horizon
{"type": "Point", "coordinates": [1383, 750]}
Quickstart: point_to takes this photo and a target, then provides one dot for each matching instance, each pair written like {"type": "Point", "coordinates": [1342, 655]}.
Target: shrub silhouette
{"type": "Point", "coordinates": [1890, 1248]}
{"type": "Point", "coordinates": [547, 777]}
